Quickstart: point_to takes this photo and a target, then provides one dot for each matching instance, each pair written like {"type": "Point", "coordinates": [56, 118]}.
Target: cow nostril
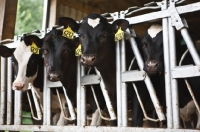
{"type": "Point", "coordinates": [93, 58]}
{"type": "Point", "coordinates": [82, 59]}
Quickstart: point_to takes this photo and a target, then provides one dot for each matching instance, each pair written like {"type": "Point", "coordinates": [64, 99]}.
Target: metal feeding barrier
{"type": "Point", "coordinates": [170, 15]}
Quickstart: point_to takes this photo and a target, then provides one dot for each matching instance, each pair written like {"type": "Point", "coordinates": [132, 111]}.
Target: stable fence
{"type": "Point", "coordinates": [11, 104]}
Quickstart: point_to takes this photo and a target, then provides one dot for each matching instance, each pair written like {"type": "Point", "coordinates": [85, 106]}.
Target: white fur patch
{"type": "Point", "coordinates": [187, 111]}
{"type": "Point", "coordinates": [96, 119]}
{"type": "Point", "coordinates": [93, 22]}
{"type": "Point", "coordinates": [154, 30]}
{"type": "Point", "coordinates": [22, 55]}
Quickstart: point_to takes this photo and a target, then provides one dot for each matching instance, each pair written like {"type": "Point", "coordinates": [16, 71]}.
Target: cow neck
{"type": "Point", "coordinates": [69, 78]}
{"type": "Point", "coordinates": [38, 82]}
{"type": "Point", "coordinates": [108, 67]}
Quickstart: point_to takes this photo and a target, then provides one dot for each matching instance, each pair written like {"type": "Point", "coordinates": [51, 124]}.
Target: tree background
{"type": "Point", "coordinates": [29, 16]}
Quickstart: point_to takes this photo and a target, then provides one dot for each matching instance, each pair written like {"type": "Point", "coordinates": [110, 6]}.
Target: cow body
{"type": "Point", "coordinates": [152, 48]}
{"type": "Point", "coordinates": [28, 68]}
{"type": "Point", "coordinates": [61, 63]}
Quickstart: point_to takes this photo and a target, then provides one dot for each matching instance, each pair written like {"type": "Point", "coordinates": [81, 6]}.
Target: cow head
{"type": "Point", "coordinates": [59, 50]}
{"type": "Point", "coordinates": [25, 62]}
{"type": "Point", "coordinates": [152, 47]}
{"type": "Point", "coordinates": [97, 38]}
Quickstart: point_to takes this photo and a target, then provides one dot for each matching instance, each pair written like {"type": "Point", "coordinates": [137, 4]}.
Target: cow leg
{"type": "Point", "coordinates": [62, 121]}
{"type": "Point", "coordinates": [96, 119]}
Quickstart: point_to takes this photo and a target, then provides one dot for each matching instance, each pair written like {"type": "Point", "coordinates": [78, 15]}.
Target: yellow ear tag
{"type": "Point", "coordinates": [68, 33]}
{"type": "Point", "coordinates": [34, 48]}
{"type": "Point", "coordinates": [78, 50]}
{"type": "Point", "coordinates": [119, 35]}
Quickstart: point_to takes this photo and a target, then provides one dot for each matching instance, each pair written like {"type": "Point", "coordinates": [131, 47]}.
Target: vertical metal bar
{"type": "Point", "coordinates": [45, 16]}
{"type": "Point", "coordinates": [118, 84]}
{"type": "Point", "coordinates": [44, 98]}
{"type": "Point", "coordinates": [48, 105]}
{"type": "Point", "coordinates": [9, 91]}
{"type": "Point", "coordinates": [147, 80]}
{"type": "Point", "coordinates": [83, 100]}
{"type": "Point", "coordinates": [167, 68]}
{"type": "Point", "coordinates": [3, 91]}
{"type": "Point", "coordinates": [78, 93]}
{"type": "Point", "coordinates": [123, 86]}
{"type": "Point", "coordinates": [174, 85]}
{"type": "Point", "coordinates": [18, 108]}
{"type": "Point", "coordinates": [190, 46]}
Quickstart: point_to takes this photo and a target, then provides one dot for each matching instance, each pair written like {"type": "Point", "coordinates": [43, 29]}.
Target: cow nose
{"type": "Point", "coordinates": [88, 60]}
{"type": "Point", "coordinates": [18, 86]}
{"type": "Point", "coordinates": [54, 76]}
{"type": "Point", "coordinates": [152, 64]}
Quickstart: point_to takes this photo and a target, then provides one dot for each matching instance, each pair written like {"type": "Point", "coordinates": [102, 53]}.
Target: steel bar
{"type": "Point", "coordinates": [162, 14]}
{"type": "Point", "coordinates": [9, 91]}
{"type": "Point", "coordinates": [174, 85]}
{"type": "Point", "coordinates": [167, 68]}
{"type": "Point", "coordinates": [190, 45]}
{"type": "Point", "coordinates": [18, 108]}
{"type": "Point", "coordinates": [118, 84]}
{"type": "Point", "coordinates": [107, 99]}
{"type": "Point", "coordinates": [48, 105]}
{"type": "Point", "coordinates": [133, 75]}
{"type": "Point", "coordinates": [3, 91]}
{"type": "Point", "coordinates": [44, 98]}
{"type": "Point", "coordinates": [83, 100]}
{"type": "Point", "coordinates": [147, 80]}
{"type": "Point", "coordinates": [78, 92]}
{"type": "Point", "coordinates": [123, 85]}
{"type": "Point", "coordinates": [89, 129]}
{"type": "Point", "coordinates": [90, 79]}
{"type": "Point", "coordinates": [70, 106]}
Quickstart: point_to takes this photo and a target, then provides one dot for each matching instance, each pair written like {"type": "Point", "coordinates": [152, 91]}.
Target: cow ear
{"type": "Point", "coordinates": [5, 51]}
{"type": "Point", "coordinates": [66, 21]}
{"type": "Point", "coordinates": [124, 24]}
{"type": "Point", "coordinates": [28, 40]}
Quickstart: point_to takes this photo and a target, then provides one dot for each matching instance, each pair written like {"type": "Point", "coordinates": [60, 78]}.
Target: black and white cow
{"type": "Point", "coordinates": [28, 68]}
{"type": "Point", "coordinates": [152, 46]}
{"type": "Point", "coordinates": [61, 62]}
{"type": "Point", "coordinates": [98, 49]}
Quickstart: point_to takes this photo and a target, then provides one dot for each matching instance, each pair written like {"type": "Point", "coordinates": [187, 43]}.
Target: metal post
{"type": "Point", "coordinates": [167, 67]}
{"type": "Point", "coordinates": [18, 108]}
{"type": "Point", "coordinates": [174, 85]}
{"type": "Point", "coordinates": [118, 84]}
{"type": "Point", "coordinates": [48, 105]}
{"type": "Point", "coordinates": [44, 98]}
{"type": "Point", "coordinates": [190, 46]}
{"type": "Point", "coordinates": [3, 91]}
{"type": "Point", "coordinates": [83, 100]}
{"type": "Point", "coordinates": [123, 86]}
{"type": "Point", "coordinates": [9, 91]}
{"type": "Point", "coordinates": [78, 93]}
{"type": "Point", "coordinates": [147, 80]}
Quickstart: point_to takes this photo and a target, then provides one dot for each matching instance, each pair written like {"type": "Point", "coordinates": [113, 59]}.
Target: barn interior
{"type": "Point", "coordinates": [77, 9]}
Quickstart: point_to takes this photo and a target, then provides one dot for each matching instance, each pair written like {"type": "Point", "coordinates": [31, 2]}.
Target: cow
{"type": "Point", "coordinates": [152, 49]}
{"type": "Point", "coordinates": [61, 62]}
{"type": "Point", "coordinates": [98, 50]}
{"type": "Point", "coordinates": [28, 68]}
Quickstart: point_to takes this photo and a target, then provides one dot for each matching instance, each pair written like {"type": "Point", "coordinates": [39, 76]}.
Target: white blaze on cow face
{"type": "Point", "coordinates": [93, 22]}
{"type": "Point", "coordinates": [22, 55]}
{"type": "Point", "coordinates": [154, 30]}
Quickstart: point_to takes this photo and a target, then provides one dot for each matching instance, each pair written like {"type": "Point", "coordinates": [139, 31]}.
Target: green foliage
{"type": "Point", "coordinates": [29, 16]}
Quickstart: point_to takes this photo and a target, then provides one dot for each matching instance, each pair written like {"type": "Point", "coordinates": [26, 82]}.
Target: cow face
{"type": "Point", "coordinates": [25, 62]}
{"type": "Point", "coordinates": [97, 37]}
{"type": "Point", "coordinates": [152, 47]}
{"type": "Point", "coordinates": [58, 53]}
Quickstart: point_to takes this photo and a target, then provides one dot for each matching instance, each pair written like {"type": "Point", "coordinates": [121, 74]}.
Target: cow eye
{"type": "Point", "coordinates": [45, 52]}
{"type": "Point", "coordinates": [103, 37]}
{"type": "Point", "coordinates": [144, 45]}
{"type": "Point", "coordinates": [80, 37]}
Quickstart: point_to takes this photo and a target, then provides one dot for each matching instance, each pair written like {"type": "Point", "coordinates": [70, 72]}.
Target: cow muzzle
{"type": "Point", "coordinates": [88, 60]}
{"type": "Point", "coordinates": [54, 77]}
{"type": "Point", "coordinates": [152, 67]}
{"type": "Point", "coordinates": [18, 86]}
